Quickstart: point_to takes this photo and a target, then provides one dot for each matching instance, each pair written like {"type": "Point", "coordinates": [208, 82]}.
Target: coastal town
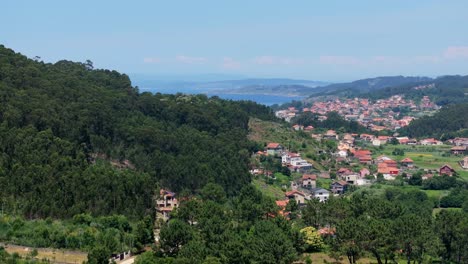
{"type": "Point", "coordinates": [386, 114]}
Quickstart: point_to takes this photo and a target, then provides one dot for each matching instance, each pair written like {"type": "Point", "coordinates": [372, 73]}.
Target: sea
{"type": "Point", "coordinates": [259, 98]}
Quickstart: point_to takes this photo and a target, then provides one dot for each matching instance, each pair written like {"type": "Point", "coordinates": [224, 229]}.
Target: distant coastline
{"type": "Point", "coordinates": [265, 99]}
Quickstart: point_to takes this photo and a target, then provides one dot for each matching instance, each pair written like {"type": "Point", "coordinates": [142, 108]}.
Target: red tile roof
{"type": "Point", "coordinates": [309, 176]}
{"type": "Point", "coordinates": [407, 160]}
{"type": "Point", "coordinates": [273, 145]}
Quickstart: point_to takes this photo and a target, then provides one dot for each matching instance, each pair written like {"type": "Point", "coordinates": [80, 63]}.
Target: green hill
{"type": "Point", "coordinates": [75, 139]}
{"type": "Point", "coordinates": [451, 121]}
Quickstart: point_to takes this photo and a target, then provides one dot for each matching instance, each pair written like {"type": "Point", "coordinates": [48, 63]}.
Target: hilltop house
{"type": "Point", "coordinates": [458, 150]}
{"type": "Point", "coordinates": [430, 141]}
{"type": "Point", "coordinates": [339, 187]}
{"type": "Point", "coordinates": [351, 178]}
{"type": "Point", "coordinates": [447, 170]}
{"type": "Point", "coordinates": [287, 156]}
{"type": "Point", "coordinates": [299, 196]}
{"type": "Point", "coordinates": [330, 134]}
{"type": "Point", "coordinates": [407, 162]}
{"type": "Point", "coordinates": [166, 203]}
{"type": "Point", "coordinates": [309, 181]}
{"type": "Point", "coordinates": [320, 193]}
{"type": "Point", "coordinates": [274, 149]}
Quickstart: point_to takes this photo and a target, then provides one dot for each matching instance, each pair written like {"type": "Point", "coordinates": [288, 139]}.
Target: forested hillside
{"type": "Point", "coordinates": [62, 124]}
{"type": "Point", "coordinates": [443, 90]}
{"type": "Point", "coordinates": [367, 85]}
{"type": "Point", "coordinates": [451, 121]}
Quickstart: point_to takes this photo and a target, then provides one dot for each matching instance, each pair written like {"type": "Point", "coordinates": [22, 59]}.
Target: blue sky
{"type": "Point", "coordinates": [319, 40]}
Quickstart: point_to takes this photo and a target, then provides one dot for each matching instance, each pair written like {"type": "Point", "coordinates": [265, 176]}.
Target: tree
{"type": "Point", "coordinates": [144, 231]}
{"type": "Point", "coordinates": [173, 235]}
{"type": "Point", "coordinates": [312, 239]}
{"type": "Point", "coordinates": [99, 255]}
{"type": "Point", "coordinates": [269, 244]}
{"type": "Point", "coordinates": [213, 192]}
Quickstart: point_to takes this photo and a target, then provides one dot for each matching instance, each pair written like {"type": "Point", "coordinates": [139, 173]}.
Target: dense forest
{"type": "Point", "coordinates": [75, 139]}
{"type": "Point", "coordinates": [451, 121]}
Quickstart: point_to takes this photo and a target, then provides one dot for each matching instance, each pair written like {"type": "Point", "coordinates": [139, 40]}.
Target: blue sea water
{"type": "Point", "coordinates": [259, 98]}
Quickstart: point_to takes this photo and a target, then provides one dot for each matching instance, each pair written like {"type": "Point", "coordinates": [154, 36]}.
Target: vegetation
{"type": "Point", "coordinates": [333, 121]}
{"type": "Point", "coordinates": [75, 139]}
{"type": "Point", "coordinates": [451, 121]}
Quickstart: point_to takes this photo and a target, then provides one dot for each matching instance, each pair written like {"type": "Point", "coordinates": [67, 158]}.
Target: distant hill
{"type": "Point", "coordinates": [281, 86]}
{"type": "Point", "coordinates": [281, 90]}
{"type": "Point", "coordinates": [367, 85]}
{"type": "Point", "coordinates": [451, 121]}
{"type": "Point", "coordinates": [443, 90]}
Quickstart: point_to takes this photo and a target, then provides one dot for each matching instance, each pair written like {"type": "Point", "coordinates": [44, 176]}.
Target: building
{"type": "Point", "coordinates": [407, 162]}
{"type": "Point", "coordinates": [430, 141]}
{"type": "Point", "coordinates": [321, 194]}
{"type": "Point", "coordinates": [166, 203]}
{"type": "Point", "coordinates": [339, 187]}
{"type": "Point", "coordinates": [299, 196]}
{"type": "Point", "coordinates": [364, 172]}
{"type": "Point", "coordinates": [274, 149]}
{"type": "Point", "coordinates": [464, 163]}
{"type": "Point", "coordinates": [309, 181]}
{"type": "Point", "coordinates": [458, 150]}
{"type": "Point", "coordinates": [446, 170]}
{"type": "Point", "coordinates": [351, 178]}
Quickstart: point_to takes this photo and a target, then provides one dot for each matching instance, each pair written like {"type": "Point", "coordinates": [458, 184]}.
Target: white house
{"type": "Point", "coordinates": [320, 193]}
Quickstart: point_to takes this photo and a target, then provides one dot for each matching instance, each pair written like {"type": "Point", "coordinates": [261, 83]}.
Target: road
{"type": "Point", "coordinates": [128, 261]}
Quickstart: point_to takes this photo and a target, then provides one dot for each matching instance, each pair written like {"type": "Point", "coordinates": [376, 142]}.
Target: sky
{"type": "Point", "coordinates": [316, 40]}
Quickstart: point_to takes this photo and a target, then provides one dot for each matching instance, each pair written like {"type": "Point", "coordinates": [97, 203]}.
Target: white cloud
{"type": "Point", "coordinates": [191, 60]}
{"type": "Point", "coordinates": [273, 60]}
{"type": "Point", "coordinates": [264, 60]}
{"type": "Point", "coordinates": [456, 52]}
{"type": "Point", "coordinates": [339, 60]}
{"type": "Point", "coordinates": [151, 60]}
{"type": "Point", "coordinates": [230, 63]}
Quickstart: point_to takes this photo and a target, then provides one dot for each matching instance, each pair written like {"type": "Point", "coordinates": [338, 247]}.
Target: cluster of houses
{"type": "Point", "coordinates": [306, 187]}
{"type": "Point", "coordinates": [377, 116]}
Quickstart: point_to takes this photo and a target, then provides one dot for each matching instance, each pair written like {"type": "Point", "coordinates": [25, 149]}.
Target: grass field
{"type": "Point", "coordinates": [424, 157]}
{"type": "Point", "coordinates": [54, 256]}
{"type": "Point", "coordinates": [269, 190]}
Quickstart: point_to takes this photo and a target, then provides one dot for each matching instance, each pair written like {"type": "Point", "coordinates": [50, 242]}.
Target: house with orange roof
{"type": "Point", "coordinates": [282, 207]}
{"type": "Point", "coordinates": [274, 149]}
{"type": "Point", "coordinates": [430, 141]}
{"type": "Point", "coordinates": [309, 181]}
{"type": "Point", "coordinates": [407, 162]}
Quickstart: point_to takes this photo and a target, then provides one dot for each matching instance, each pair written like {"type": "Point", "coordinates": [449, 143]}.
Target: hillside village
{"type": "Point", "coordinates": [385, 114]}
{"type": "Point", "coordinates": [358, 166]}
